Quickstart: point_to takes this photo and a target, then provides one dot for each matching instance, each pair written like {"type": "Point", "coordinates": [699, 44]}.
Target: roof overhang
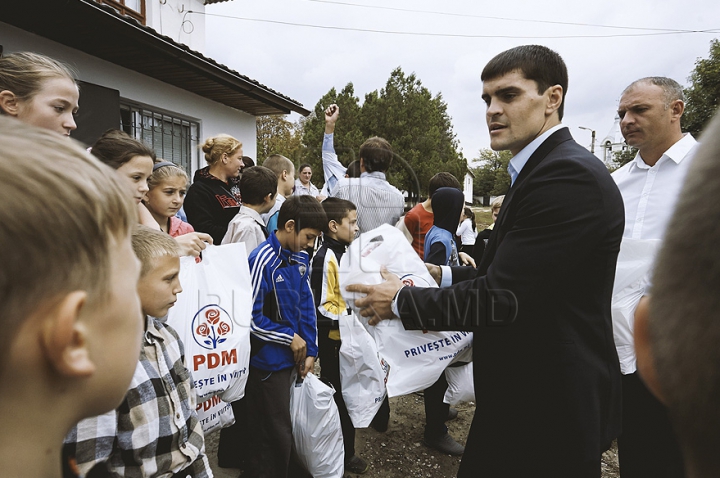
{"type": "Point", "coordinates": [102, 32]}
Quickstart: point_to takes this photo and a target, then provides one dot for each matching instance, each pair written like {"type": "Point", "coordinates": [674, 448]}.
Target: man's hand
{"type": "Point", "coordinates": [193, 243]}
{"type": "Point", "coordinates": [332, 113]}
{"type": "Point", "coordinates": [466, 260]}
{"type": "Point", "coordinates": [435, 272]}
{"type": "Point", "coordinates": [306, 366]}
{"type": "Point", "coordinates": [378, 303]}
{"type": "Point", "coordinates": [299, 349]}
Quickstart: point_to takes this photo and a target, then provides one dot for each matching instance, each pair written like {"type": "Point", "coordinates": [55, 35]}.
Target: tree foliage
{"type": "Point", "coordinates": [347, 138]}
{"type": "Point", "coordinates": [405, 113]}
{"type": "Point", "coordinates": [277, 135]}
{"type": "Point", "coordinates": [703, 95]}
{"type": "Point", "coordinates": [622, 157]}
{"type": "Point", "coordinates": [491, 176]}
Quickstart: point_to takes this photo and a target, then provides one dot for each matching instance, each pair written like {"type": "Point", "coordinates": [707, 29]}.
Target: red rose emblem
{"type": "Point", "coordinates": [212, 316]}
{"type": "Point", "coordinates": [203, 330]}
{"type": "Point", "coordinates": [223, 328]}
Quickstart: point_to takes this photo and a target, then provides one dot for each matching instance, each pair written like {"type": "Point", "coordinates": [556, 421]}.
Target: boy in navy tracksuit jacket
{"type": "Point", "coordinates": [283, 332]}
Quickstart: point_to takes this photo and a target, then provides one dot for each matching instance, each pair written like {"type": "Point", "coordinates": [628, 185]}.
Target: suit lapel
{"type": "Point", "coordinates": [558, 137]}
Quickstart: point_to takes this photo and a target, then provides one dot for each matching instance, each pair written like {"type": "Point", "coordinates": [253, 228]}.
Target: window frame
{"type": "Point", "coordinates": [120, 6]}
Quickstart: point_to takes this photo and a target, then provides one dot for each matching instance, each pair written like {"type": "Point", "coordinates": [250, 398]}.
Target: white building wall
{"type": "Point", "coordinates": [214, 118]}
{"type": "Point", "coordinates": [171, 18]}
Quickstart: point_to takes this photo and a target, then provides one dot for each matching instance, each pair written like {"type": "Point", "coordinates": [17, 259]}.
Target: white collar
{"type": "Point", "coordinates": [519, 160]}
{"type": "Point", "coordinates": [677, 152]}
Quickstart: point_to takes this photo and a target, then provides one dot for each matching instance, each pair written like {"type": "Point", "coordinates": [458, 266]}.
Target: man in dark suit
{"type": "Point", "coordinates": [547, 378]}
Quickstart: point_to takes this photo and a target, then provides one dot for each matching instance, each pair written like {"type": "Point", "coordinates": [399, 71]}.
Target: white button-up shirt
{"type": "Point", "coordinates": [649, 194]}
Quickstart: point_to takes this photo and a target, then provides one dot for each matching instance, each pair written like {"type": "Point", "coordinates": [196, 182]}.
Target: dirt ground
{"type": "Point", "coordinates": [399, 452]}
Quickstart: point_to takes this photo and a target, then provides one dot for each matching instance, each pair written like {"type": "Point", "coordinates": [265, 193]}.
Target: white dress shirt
{"type": "Point", "coordinates": [649, 194]}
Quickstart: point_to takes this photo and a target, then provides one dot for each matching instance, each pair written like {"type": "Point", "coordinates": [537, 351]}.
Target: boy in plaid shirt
{"type": "Point", "coordinates": [155, 432]}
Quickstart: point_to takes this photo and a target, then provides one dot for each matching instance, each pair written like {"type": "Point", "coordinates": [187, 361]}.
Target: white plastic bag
{"type": "Point", "coordinates": [214, 414]}
{"type": "Point", "coordinates": [316, 431]}
{"type": "Point", "coordinates": [461, 385]}
{"type": "Point", "coordinates": [363, 372]}
{"type": "Point", "coordinates": [212, 317]}
{"type": "Point", "coordinates": [416, 358]}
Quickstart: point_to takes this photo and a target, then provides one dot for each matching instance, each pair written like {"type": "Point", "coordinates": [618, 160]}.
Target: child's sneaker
{"type": "Point", "coordinates": [356, 465]}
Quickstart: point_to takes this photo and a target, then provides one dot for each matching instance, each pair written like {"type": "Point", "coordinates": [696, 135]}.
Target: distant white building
{"type": "Point", "coordinates": [142, 68]}
{"type": "Point", "coordinates": [612, 143]}
{"type": "Point", "coordinates": [468, 187]}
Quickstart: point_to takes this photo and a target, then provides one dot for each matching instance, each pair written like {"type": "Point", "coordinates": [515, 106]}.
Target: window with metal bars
{"type": "Point", "coordinates": [172, 137]}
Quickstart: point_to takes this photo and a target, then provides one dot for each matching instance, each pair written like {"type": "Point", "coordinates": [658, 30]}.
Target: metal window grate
{"type": "Point", "coordinates": [171, 137]}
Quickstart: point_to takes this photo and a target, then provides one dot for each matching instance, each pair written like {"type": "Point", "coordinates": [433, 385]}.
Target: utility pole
{"type": "Point", "coordinates": [592, 145]}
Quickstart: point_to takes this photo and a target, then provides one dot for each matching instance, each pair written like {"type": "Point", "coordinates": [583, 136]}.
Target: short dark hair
{"type": "Point", "coordinates": [256, 183]}
{"type": "Point", "coordinates": [536, 62]}
{"type": "Point", "coordinates": [306, 211]}
{"type": "Point", "coordinates": [377, 154]}
{"type": "Point", "coordinates": [116, 148]}
{"type": "Point", "coordinates": [248, 162]}
{"type": "Point", "coordinates": [443, 180]}
{"type": "Point", "coordinates": [337, 209]}
{"type": "Point", "coordinates": [353, 169]}
{"type": "Point", "coordinates": [303, 166]}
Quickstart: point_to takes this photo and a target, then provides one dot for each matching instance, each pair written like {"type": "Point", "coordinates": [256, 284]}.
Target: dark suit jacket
{"type": "Point", "coordinates": [547, 375]}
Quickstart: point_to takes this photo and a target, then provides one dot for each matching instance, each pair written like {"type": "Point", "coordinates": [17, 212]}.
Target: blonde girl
{"type": "Point", "coordinates": [39, 91]}
{"type": "Point", "coordinates": [167, 188]}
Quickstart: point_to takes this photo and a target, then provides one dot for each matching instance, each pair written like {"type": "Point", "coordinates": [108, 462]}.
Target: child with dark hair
{"type": "Point", "coordinates": [258, 187]}
{"type": "Point", "coordinates": [440, 246]}
{"type": "Point", "coordinates": [466, 231]}
{"type": "Point", "coordinates": [283, 331]}
{"type": "Point", "coordinates": [419, 219]}
{"type": "Point", "coordinates": [339, 232]}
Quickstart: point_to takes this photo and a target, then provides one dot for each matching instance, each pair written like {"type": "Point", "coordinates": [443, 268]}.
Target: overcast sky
{"type": "Point", "coordinates": [304, 62]}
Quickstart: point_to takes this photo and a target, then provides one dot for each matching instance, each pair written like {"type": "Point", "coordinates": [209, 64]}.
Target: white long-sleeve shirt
{"type": "Point", "coordinates": [649, 194]}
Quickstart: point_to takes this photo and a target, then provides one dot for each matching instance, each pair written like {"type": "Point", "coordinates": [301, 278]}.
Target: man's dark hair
{"type": "Point", "coordinates": [248, 162]}
{"type": "Point", "coordinates": [337, 209]}
{"type": "Point", "coordinates": [443, 180]}
{"type": "Point", "coordinates": [353, 169]}
{"type": "Point", "coordinates": [536, 62]}
{"type": "Point", "coordinates": [256, 183]}
{"type": "Point", "coordinates": [376, 154]}
{"type": "Point", "coordinates": [306, 211]}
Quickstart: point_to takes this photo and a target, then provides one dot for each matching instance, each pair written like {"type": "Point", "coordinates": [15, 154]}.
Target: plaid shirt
{"type": "Point", "coordinates": [155, 431]}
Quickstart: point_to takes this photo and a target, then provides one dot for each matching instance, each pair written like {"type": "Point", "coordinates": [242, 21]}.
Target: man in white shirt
{"type": "Point", "coordinates": [378, 202]}
{"type": "Point", "coordinates": [650, 110]}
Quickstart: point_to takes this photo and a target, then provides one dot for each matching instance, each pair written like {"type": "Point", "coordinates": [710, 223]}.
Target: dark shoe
{"type": "Point", "coordinates": [446, 444]}
{"type": "Point", "coordinates": [452, 414]}
{"type": "Point", "coordinates": [356, 465]}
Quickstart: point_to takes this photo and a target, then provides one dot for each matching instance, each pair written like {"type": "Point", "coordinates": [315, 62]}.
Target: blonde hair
{"type": "Point", "coordinates": [24, 73]}
{"type": "Point", "coordinates": [150, 244]}
{"type": "Point", "coordinates": [497, 203]}
{"type": "Point", "coordinates": [218, 145]}
{"type": "Point", "coordinates": [51, 248]}
{"type": "Point", "coordinates": [278, 163]}
{"type": "Point", "coordinates": [164, 170]}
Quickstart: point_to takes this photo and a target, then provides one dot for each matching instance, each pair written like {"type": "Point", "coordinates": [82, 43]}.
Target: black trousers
{"type": "Point", "coordinates": [647, 446]}
{"type": "Point", "coordinates": [329, 355]}
{"type": "Point", "coordinates": [436, 411]}
{"type": "Point", "coordinates": [268, 412]}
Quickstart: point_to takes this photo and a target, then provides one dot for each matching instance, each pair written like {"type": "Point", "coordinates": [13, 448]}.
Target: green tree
{"type": "Point", "coordinates": [277, 135]}
{"type": "Point", "coordinates": [491, 176]}
{"type": "Point", "coordinates": [419, 129]}
{"type": "Point", "coordinates": [621, 158]}
{"type": "Point", "coordinates": [703, 95]}
{"type": "Point", "coordinates": [347, 138]}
